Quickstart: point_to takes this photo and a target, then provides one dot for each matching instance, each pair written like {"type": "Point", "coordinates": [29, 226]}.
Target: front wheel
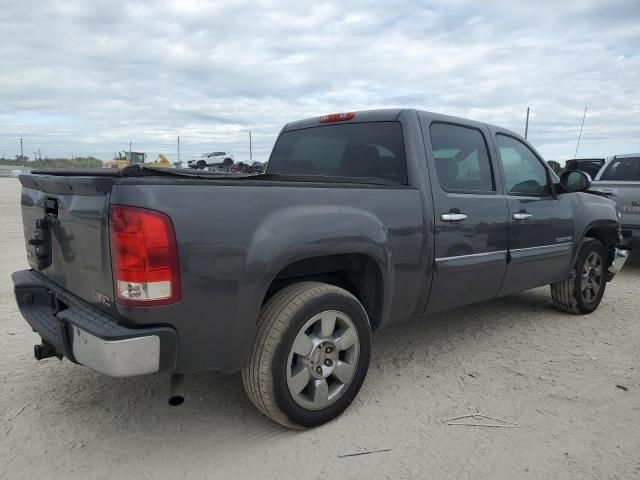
{"type": "Point", "coordinates": [310, 356]}
{"type": "Point", "coordinates": [582, 292]}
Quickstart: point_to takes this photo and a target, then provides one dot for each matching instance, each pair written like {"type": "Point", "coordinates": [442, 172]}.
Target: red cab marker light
{"type": "Point", "coordinates": [337, 117]}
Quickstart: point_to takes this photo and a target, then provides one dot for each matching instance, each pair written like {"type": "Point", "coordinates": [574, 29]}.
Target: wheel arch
{"type": "Point", "coordinates": [605, 231]}
{"type": "Point", "coordinates": [337, 243]}
{"type": "Point", "coordinates": [358, 273]}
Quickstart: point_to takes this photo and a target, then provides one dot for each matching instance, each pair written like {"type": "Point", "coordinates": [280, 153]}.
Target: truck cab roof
{"type": "Point", "coordinates": [386, 115]}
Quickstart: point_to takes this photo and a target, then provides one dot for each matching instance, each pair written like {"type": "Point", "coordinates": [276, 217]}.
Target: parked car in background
{"type": "Point", "coordinates": [587, 165]}
{"type": "Point", "coordinates": [361, 220]}
{"type": "Point", "coordinates": [619, 179]}
{"type": "Point", "coordinates": [213, 159]}
{"type": "Point", "coordinates": [256, 167]}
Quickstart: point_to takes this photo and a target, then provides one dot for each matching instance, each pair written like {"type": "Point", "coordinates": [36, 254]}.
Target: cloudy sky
{"type": "Point", "coordinates": [85, 77]}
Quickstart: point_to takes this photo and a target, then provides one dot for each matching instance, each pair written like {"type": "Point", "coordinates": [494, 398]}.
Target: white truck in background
{"type": "Point", "coordinates": [619, 179]}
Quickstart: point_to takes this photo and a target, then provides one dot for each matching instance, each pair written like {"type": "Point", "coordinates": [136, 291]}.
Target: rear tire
{"type": "Point", "coordinates": [310, 356]}
{"type": "Point", "coordinates": [582, 292]}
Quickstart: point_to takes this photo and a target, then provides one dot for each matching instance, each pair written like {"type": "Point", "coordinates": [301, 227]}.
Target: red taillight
{"type": "Point", "coordinates": [144, 257]}
{"type": "Point", "coordinates": [337, 117]}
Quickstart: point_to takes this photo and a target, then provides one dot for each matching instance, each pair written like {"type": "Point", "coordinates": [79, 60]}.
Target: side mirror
{"type": "Point", "coordinates": [575, 181]}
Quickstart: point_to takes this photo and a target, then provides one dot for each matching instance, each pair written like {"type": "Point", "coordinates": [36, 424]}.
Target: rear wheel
{"type": "Point", "coordinates": [582, 292]}
{"type": "Point", "coordinates": [310, 356]}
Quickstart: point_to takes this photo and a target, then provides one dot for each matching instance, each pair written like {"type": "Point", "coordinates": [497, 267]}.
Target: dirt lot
{"type": "Point", "coordinates": [571, 383]}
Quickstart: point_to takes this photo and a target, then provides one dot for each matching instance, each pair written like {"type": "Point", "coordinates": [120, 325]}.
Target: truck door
{"type": "Point", "coordinates": [540, 223]}
{"type": "Point", "coordinates": [470, 222]}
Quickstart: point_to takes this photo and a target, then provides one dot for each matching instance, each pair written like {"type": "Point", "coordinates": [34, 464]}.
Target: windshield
{"type": "Point", "coordinates": [365, 150]}
{"type": "Point", "coordinates": [627, 168]}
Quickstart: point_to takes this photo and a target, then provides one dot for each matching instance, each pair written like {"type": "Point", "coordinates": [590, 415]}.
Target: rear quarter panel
{"type": "Point", "coordinates": [233, 241]}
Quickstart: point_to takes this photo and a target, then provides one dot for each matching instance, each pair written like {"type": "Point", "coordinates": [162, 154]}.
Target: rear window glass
{"type": "Point", "coordinates": [592, 167]}
{"type": "Point", "coordinates": [622, 169]}
{"type": "Point", "coordinates": [362, 150]}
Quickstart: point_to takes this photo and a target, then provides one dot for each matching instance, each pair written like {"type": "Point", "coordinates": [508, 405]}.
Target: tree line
{"type": "Point", "coordinates": [76, 162]}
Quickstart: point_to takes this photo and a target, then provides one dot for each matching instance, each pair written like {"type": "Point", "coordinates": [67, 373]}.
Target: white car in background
{"type": "Point", "coordinates": [212, 159]}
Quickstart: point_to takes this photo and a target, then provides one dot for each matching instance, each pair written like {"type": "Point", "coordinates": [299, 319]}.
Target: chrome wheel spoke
{"type": "Point", "coordinates": [302, 345]}
{"type": "Point", "coordinates": [344, 371]}
{"type": "Point", "coordinates": [327, 324]}
{"type": "Point", "coordinates": [299, 378]}
{"type": "Point", "coordinates": [320, 392]}
{"type": "Point", "coordinates": [346, 339]}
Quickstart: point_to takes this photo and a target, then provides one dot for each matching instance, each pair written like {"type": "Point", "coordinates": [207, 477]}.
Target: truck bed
{"type": "Point", "coordinates": [233, 237]}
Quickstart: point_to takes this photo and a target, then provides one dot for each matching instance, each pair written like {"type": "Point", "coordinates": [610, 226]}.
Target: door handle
{"type": "Point", "coordinates": [453, 217]}
{"type": "Point", "coordinates": [522, 216]}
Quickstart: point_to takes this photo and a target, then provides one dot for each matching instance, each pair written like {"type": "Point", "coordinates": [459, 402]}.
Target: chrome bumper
{"type": "Point", "coordinates": [117, 358]}
{"type": "Point", "coordinates": [619, 258]}
{"type": "Point", "coordinates": [72, 328]}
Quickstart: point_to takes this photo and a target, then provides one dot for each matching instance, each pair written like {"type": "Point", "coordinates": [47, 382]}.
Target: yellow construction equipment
{"type": "Point", "coordinates": [124, 159]}
{"type": "Point", "coordinates": [161, 161]}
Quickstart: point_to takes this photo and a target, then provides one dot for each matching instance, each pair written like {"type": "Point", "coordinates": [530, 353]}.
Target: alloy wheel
{"type": "Point", "coordinates": [322, 360]}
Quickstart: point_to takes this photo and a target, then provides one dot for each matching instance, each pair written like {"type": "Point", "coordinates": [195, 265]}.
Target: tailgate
{"type": "Point", "coordinates": [627, 197]}
{"type": "Point", "coordinates": [75, 211]}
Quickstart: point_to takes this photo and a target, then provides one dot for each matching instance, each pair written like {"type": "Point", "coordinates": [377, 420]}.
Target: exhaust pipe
{"type": "Point", "coordinates": [176, 394]}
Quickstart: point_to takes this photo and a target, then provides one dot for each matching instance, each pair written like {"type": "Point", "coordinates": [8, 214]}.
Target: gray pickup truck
{"type": "Point", "coordinates": [361, 219]}
{"type": "Point", "coordinates": [619, 179]}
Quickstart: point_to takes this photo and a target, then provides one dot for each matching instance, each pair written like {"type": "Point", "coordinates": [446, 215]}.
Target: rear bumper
{"type": "Point", "coordinates": [87, 336]}
{"type": "Point", "coordinates": [630, 236]}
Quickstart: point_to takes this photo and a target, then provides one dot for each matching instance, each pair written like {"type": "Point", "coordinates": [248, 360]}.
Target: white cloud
{"type": "Point", "coordinates": [86, 77]}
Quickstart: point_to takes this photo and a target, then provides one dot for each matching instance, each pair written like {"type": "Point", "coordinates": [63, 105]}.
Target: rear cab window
{"type": "Point", "coordinates": [372, 150]}
{"type": "Point", "coordinates": [622, 169]}
{"type": "Point", "coordinates": [592, 167]}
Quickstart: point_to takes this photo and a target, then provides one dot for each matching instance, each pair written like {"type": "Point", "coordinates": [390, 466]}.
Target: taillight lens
{"type": "Point", "coordinates": [144, 257]}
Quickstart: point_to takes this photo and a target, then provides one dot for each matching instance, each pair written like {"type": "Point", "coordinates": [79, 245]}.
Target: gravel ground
{"type": "Point", "coordinates": [571, 383]}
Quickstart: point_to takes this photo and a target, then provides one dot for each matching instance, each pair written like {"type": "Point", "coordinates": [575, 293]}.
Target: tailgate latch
{"type": "Point", "coordinates": [42, 242]}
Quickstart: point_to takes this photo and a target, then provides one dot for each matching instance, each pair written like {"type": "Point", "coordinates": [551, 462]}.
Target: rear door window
{"type": "Point", "coordinates": [462, 159]}
{"type": "Point", "coordinates": [362, 150]}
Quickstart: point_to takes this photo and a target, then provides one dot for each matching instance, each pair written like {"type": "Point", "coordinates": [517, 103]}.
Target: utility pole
{"type": "Point", "coordinates": [178, 149]}
{"type": "Point", "coordinates": [24, 163]}
{"type": "Point", "coordinates": [250, 148]}
{"type": "Point", "coordinates": [40, 154]}
{"type": "Point", "coordinates": [526, 125]}
{"type": "Point", "coordinates": [130, 157]}
{"type": "Point", "coordinates": [580, 134]}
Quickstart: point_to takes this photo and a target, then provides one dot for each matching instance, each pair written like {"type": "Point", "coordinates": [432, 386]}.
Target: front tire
{"type": "Point", "coordinates": [310, 356]}
{"type": "Point", "coordinates": [582, 292]}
